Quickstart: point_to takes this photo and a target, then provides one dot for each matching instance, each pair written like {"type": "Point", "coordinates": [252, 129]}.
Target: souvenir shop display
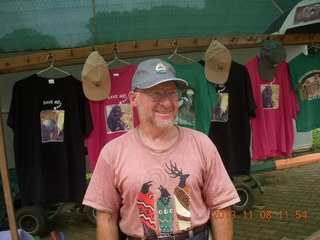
{"type": "Point", "coordinates": [305, 78]}
{"type": "Point", "coordinates": [50, 118]}
{"type": "Point", "coordinates": [230, 124]}
{"type": "Point", "coordinates": [277, 105]}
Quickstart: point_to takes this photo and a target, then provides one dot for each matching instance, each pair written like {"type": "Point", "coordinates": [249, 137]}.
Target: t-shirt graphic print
{"type": "Point", "coordinates": [270, 96]}
{"type": "Point", "coordinates": [52, 123]}
{"type": "Point", "coordinates": [165, 205]}
{"type": "Point", "coordinates": [309, 86]}
{"type": "Point", "coordinates": [119, 118]}
{"type": "Point", "coordinates": [186, 112]}
{"type": "Point", "coordinates": [220, 112]}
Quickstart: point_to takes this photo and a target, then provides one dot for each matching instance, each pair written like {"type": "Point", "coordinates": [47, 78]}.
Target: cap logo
{"type": "Point", "coordinates": [221, 66]}
{"type": "Point", "coordinates": [160, 68]}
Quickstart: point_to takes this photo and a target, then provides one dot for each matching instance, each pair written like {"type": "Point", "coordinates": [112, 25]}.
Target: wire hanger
{"type": "Point", "coordinates": [116, 57]}
{"type": "Point", "coordinates": [312, 45]}
{"type": "Point", "coordinates": [176, 52]}
{"type": "Point", "coordinates": [52, 67]}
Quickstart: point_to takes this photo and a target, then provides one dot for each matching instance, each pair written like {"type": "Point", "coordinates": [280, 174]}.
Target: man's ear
{"type": "Point", "coordinates": [133, 98]}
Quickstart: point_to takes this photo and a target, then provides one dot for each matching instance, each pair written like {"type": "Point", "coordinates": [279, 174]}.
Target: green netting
{"type": "Point", "coordinates": [54, 24]}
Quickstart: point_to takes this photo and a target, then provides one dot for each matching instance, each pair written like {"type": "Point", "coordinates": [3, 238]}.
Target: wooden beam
{"type": "Point", "coordinates": [6, 185]}
{"type": "Point", "coordinates": [146, 48]}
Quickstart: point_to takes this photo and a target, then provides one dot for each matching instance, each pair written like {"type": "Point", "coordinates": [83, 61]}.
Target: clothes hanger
{"type": "Point", "coordinates": [116, 57]}
{"type": "Point", "coordinates": [312, 46]}
{"type": "Point", "coordinates": [175, 53]}
{"type": "Point", "coordinates": [52, 67]}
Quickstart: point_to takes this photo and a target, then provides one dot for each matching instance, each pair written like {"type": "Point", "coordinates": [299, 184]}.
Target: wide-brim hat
{"type": "Point", "coordinates": [95, 77]}
{"type": "Point", "coordinates": [217, 63]}
{"type": "Point", "coordinates": [272, 53]}
{"type": "Point", "coordinates": [153, 72]}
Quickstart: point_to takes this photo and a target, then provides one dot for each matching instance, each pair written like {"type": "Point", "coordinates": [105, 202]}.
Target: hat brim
{"type": "Point", "coordinates": [93, 92]}
{"type": "Point", "coordinates": [180, 83]}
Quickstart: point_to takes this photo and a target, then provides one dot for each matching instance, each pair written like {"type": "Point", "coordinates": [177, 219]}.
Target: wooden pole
{"type": "Point", "coordinates": [6, 185]}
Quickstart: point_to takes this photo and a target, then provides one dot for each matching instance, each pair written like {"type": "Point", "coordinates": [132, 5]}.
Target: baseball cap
{"type": "Point", "coordinates": [154, 71]}
{"type": "Point", "coordinates": [217, 63]}
{"type": "Point", "coordinates": [272, 53]}
{"type": "Point", "coordinates": [95, 77]}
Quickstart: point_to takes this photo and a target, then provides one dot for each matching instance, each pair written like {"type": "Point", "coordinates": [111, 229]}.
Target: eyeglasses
{"type": "Point", "coordinates": [157, 95]}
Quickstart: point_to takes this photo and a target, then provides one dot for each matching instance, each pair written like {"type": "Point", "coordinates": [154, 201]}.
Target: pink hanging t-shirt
{"type": "Point", "coordinates": [277, 104]}
{"type": "Point", "coordinates": [113, 116]}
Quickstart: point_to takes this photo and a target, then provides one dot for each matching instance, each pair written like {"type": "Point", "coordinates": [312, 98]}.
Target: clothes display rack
{"type": "Point", "coordinates": [145, 49]}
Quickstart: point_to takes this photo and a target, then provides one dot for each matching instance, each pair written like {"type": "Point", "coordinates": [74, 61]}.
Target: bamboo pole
{"type": "Point", "coordinates": [6, 185]}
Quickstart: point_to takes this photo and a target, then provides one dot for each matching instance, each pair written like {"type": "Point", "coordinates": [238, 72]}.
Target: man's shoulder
{"type": "Point", "coordinates": [120, 140]}
{"type": "Point", "coordinates": [191, 131]}
{"type": "Point", "coordinates": [188, 132]}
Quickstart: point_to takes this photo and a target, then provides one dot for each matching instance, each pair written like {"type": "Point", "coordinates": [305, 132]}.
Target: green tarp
{"type": "Point", "coordinates": [55, 24]}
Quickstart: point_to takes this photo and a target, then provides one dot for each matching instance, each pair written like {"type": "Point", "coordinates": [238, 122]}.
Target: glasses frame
{"type": "Point", "coordinates": [164, 93]}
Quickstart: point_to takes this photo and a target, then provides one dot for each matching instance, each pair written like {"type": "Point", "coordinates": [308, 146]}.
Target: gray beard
{"type": "Point", "coordinates": [159, 123]}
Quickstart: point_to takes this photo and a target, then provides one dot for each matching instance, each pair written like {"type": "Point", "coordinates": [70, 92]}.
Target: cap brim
{"type": "Point", "coordinates": [180, 83]}
{"type": "Point", "coordinates": [96, 93]}
{"type": "Point", "coordinates": [266, 71]}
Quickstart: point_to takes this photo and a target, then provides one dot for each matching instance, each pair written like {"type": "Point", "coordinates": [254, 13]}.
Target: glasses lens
{"type": "Point", "coordinates": [173, 96]}
{"type": "Point", "coordinates": [157, 95]}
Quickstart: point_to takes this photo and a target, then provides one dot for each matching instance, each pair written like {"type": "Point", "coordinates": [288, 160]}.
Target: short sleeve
{"type": "Point", "coordinates": [218, 190]}
{"type": "Point", "coordinates": [101, 193]}
{"type": "Point", "coordinates": [12, 111]}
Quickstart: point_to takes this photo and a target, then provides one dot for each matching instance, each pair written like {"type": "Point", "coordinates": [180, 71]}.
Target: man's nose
{"type": "Point", "coordinates": [165, 98]}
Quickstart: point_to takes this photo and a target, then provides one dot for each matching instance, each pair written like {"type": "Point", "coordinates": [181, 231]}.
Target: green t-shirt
{"type": "Point", "coordinates": [197, 100]}
{"type": "Point", "coordinates": [305, 78]}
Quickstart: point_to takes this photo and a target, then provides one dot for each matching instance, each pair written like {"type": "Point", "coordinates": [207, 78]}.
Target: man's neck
{"type": "Point", "coordinates": [159, 138]}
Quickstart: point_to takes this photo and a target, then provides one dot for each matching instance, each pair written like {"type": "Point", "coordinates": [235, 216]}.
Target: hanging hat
{"type": "Point", "coordinates": [217, 63]}
{"type": "Point", "coordinates": [272, 53]}
{"type": "Point", "coordinates": [95, 77]}
{"type": "Point", "coordinates": [155, 71]}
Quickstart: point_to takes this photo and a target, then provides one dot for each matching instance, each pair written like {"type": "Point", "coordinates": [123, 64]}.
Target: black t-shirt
{"type": "Point", "coordinates": [230, 128]}
{"type": "Point", "coordinates": [50, 119]}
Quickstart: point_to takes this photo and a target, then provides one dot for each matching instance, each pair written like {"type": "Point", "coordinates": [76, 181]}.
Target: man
{"type": "Point", "coordinates": [160, 181]}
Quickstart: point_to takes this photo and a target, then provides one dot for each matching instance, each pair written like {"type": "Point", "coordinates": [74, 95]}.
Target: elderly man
{"type": "Point", "coordinates": [160, 181]}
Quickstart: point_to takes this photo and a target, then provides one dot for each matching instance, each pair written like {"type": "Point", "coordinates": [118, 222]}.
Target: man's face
{"type": "Point", "coordinates": [161, 113]}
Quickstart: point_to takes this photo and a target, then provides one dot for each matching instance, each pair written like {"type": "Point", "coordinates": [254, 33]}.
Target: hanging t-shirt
{"type": "Point", "coordinates": [113, 116]}
{"type": "Point", "coordinates": [305, 77]}
{"type": "Point", "coordinates": [50, 118]}
{"type": "Point", "coordinates": [230, 124]}
{"type": "Point", "coordinates": [277, 104]}
{"type": "Point", "coordinates": [197, 100]}
{"type": "Point", "coordinates": [160, 192]}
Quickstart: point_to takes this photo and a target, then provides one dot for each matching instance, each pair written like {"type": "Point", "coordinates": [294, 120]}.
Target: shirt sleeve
{"type": "Point", "coordinates": [218, 190]}
{"type": "Point", "coordinates": [102, 193]}
{"type": "Point", "coordinates": [292, 94]}
{"type": "Point", "coordinates": [249, 95]}
{"type": "Point", "coordinates": [12, 115]}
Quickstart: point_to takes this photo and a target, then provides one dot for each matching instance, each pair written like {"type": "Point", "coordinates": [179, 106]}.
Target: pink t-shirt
{"type": "Point", "coordinates": [113, 116]}
{"type": "Point", "coordinates": [277, 104]}
{"type": "Point", "coordinates": [159, 192]}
